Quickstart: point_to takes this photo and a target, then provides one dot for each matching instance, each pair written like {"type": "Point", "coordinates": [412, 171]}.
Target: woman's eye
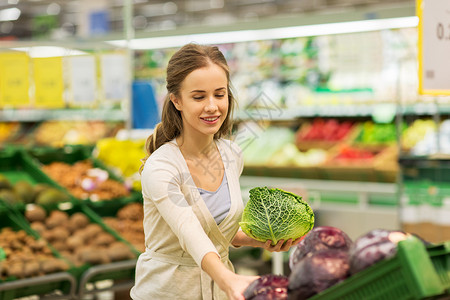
{"type": "Point", "coordinates": [198, 97]}
{"type": "Point", "coordinates": [220, 96]}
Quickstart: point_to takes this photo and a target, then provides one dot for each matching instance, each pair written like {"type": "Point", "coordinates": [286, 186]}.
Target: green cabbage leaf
{"type": "Point", "coordinates": [274, 214]}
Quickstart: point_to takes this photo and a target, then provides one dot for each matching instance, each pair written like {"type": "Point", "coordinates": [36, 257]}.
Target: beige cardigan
{"type": "Point", "coordinates": [180, 230]}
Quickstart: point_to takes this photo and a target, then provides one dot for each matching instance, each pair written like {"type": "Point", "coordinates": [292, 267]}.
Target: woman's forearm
{"type": "Point", "coordinates": [241, 239]}
{"type": "Point", "coordinates": [212, 265]}
{"type": "Point", "coordinates": [232, 284]}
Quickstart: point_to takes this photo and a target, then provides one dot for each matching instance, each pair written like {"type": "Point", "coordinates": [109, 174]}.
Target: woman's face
{"type": "Point", "coordinates": [204, 100]}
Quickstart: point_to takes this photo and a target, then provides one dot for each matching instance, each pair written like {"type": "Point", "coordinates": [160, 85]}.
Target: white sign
{"type": "Point", "coordinates": [114, 76]}
{"type": "Point", "coordinates": [82, 79]}
{"type": "Point", "coordinates": [434, 46]}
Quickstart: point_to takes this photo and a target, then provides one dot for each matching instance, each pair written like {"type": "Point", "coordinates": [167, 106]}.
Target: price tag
{"type": "Point", "coordinates": [14, 79]}
{"type": "Point", "coordinates": [114, 76]}
{"type": "Point", "coordinates": [434, 46]}
{"type": "Point", "coordinates": [82, 80]}
{"type": "Point", "coordinates": [48, 82]}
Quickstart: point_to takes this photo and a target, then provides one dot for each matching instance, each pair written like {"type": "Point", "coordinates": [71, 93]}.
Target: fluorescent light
{"type": "Point", "coordinates": [9, 14]}
{"type": "Point", "coordinates": [267, 34]}
{"type": "Point", "coordinates": [49, 51]}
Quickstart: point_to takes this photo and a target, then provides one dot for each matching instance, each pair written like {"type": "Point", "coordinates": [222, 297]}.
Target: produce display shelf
{"type": "Point", "coordinates": [357, 173]}
{"type": "Point", "coordinates": [410, 274]}
{"type": "Point", "coordinates": [118, 270]}
{"type": "Point", "coordinates": [28, 115]}
{"type": "Point", "coordinates": [12, 288]}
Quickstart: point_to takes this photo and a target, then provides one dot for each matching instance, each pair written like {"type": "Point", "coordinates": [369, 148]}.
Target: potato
{"type": "Point", "coordinates": [78, 220]}
{"type": "Point", "coordinates": [104, 239]}
{"type": "Point", "coordinates": [60, 245]}
{"type": "Point", "coordinates": [93, 256]}
{"type": "Point", "coordinates": [60, 234]}
{"type": "Point", "coordinates": [92, 230]}
{"type": "Point", "coordinates": [52, 265]}
{"type": "Point", "coordinates": [15, 269]}
{"type": "Point", "coordinates": [38, 245]}
{"type": "Point", "coordinates": [56, 218]}
{"type": "Point", "coordinates": [119, 251]}
{"type": "Point", "coordinates": [39, 227]}
{"type": "Point", "coordinates": [35, 213]}
{"type": "Point", "coordinates": [47, 235]}
{"type": "Point", "coordinates": [75, 242]}
{"type": "Point", "coordinates": [31, 268]}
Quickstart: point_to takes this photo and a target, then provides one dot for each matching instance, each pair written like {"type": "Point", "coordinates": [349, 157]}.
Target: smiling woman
{"type": "Point", "coordinates": [190, 186]}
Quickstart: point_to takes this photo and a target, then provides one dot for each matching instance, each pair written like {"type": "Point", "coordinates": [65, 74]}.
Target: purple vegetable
{"type": "Point", "coordinates": [317, 272]}
{"type": "Point", "coordinates": [376, 245]}
{"type": "Point", "coordinates": [269, 287]}
{"type": "Point", "coordinates": [320, 238]}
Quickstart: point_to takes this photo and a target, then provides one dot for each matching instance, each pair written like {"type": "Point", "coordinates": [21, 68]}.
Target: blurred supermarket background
{"type": "Point", "coordinates": [329, 108]}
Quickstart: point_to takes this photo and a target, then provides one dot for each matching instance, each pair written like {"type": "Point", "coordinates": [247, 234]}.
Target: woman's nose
{"type": "Point", "coordinates": [211, 106]}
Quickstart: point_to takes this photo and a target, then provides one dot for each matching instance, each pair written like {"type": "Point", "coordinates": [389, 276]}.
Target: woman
{"type": "Point", "coordinates": [190, 186]}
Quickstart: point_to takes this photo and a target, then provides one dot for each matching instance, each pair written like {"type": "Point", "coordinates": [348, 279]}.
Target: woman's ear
{"type": "Point", "coordinates": [175, 101]}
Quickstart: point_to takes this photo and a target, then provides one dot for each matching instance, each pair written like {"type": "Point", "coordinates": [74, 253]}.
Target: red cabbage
{"type": "Point", "coordinates": [320, 238]}
{"type": "Point", "coordinates": [269, 287]}
{"type": "Point", "coordinates": [376, 245]}
{"type": "Point", "coordinates": [316, 272]}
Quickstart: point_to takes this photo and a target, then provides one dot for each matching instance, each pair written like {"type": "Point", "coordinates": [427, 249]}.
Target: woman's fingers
{"type": "Point", "coordinates": [296, 241]}
{"type": "Point", "coordinates": [286, 246]}
{"type": "Point", "coordinates": [282, 245]}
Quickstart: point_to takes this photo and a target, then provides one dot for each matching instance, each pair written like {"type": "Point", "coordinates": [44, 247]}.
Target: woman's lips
{"type": "Point", "coordinates": [211, 120]}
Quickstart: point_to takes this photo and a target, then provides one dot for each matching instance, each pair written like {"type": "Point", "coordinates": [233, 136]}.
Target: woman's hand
{"type": "Point", "coordinates": [241, 239]}
{"type": "Point", "coordinates": [237, 285]}
{"type": "Point", "coordinates": [281, 246]}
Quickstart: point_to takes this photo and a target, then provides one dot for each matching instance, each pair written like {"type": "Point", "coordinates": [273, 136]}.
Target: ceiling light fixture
{"type": "Point", "coordinates": [267, 34]}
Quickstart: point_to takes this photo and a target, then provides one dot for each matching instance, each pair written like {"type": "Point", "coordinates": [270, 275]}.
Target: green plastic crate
{"type": "Point", "coordinates": [16, 165]}
{"type": "Point", "coordinates": [408, 275]}
{"type": "Point", "coordinates": [440, 257]}
{"type": "Point", "coordinates": [73, 154]}
{"type": "Point", "coordinates": [12, 288]}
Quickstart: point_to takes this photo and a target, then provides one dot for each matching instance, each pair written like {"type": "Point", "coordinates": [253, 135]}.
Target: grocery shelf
{"type": "Point", "coordinates": [274, 113]}
{"type": "Point", "coordinates": [315, 187]}
{"type": "Point", "coordinates": [20, 288]}
{"type": "Point", "coordinates": [35, 115]}
{"type": "Point", "coordinates": [277, 113]}
{"type": "Point", "coordinates": [122, 271]}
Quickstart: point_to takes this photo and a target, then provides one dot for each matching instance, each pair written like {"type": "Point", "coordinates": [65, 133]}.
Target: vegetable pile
{"type": "Point", "coordinates": [274, 214]}
{"type": "Point", "coordinates": [268, 287]}
{"type": "Point", "coordinates": [325, 257]}
{"type": "Point", "coordinates": [76, 238]}
{"type": "Point", "coordinates": [320, 238]}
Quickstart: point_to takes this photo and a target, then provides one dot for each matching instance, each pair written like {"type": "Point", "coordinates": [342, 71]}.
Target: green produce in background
{"type": "Point", "coordinates": [373, 133]}
{"type": "Point", "coordinates": [274, 214]}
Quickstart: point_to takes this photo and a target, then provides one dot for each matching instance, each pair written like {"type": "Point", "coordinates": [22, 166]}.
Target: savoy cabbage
{"type": "Point", "coordinates": [274, 214]}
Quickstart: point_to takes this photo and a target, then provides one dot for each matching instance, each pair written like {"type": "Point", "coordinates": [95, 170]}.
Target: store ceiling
{"type": "Point", "coordinates": [61, 18]}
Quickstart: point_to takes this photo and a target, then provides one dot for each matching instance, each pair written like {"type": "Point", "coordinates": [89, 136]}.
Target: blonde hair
{"type": "Point", "coordinates": [187, 59]}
